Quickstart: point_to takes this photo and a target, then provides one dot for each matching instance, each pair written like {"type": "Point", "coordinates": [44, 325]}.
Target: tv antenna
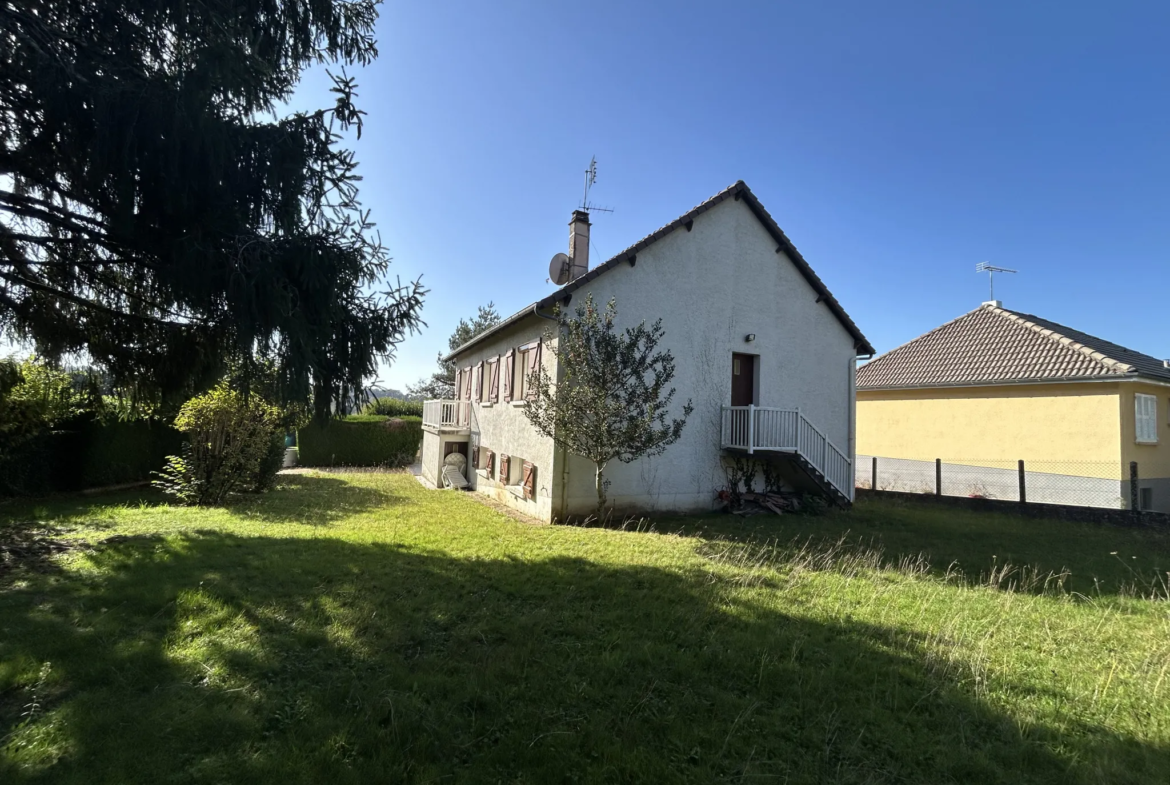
{"type": "Point", "coordinates": [991, 270]}
{"type": "Point", "coordinates": [590, 179]}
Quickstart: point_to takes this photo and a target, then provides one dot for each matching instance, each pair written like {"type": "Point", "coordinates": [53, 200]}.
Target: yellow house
{"type": "Point", "coordinates": [995, 386]}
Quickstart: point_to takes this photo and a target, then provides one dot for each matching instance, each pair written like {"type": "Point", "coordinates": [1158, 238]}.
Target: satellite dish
{"type": "Point", "coordinates": [558, 269]}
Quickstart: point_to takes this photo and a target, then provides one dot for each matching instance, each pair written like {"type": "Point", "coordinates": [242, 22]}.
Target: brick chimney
{"type": "Point", "coordinates": [578, 244]}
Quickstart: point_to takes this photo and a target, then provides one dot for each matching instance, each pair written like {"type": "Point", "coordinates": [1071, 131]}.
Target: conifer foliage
{"type": "Point", "coordinates": [158, 213]}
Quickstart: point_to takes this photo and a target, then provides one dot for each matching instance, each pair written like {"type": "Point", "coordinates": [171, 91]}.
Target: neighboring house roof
{"type": "Point", "coordinates": [992, 345]}
{"type": "Point", "coordinates": [737, 191]}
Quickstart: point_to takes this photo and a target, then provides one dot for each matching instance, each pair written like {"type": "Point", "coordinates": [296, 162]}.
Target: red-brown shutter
{"type": "Point", "coordinates": [467, 384]}
{"type": "Point", "coordinates": [533, 364]}
{"type": "Point", "coordinates": [494, 381]}
{"type": "Point", "coordinates": [475, 457]}
{"type": "Point", "coordinates": [529, 481]}
{"type": "Point", "coordinates": [503, 475]}
{"type": "Point", "coordinates": [458, 384]}
{"type": "Point", "coordinates": [509, 367]}
{"type": "Point", "coordinates": [488, 465]}
{"type": "Point", "coordinates": [479, 382]}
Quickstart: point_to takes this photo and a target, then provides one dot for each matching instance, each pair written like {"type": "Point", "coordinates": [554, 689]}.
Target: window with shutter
{"type": "Point", "coordinates": [467, 384]}
{"type": "Point", "coordinates": [494, 380]}
{"type": "Point", "coordinates": [487, 463]}
{"type": "Point", "coordinates": [509, 362]}
{"type": "Point", "coordinates": [529, 481]}
{"type": "Point", "coordinates": [475, 457]}
{"type": "Point", "coordinates": [1146, 418]}
{"type": "Point", "coordinates": [503, 475]}
{"type": "Point", "coordinates": [458, 384]}
{"type": "Point", "coordinates": [533, 365]}
{"type": "Point", "coordinates": [479, 382]}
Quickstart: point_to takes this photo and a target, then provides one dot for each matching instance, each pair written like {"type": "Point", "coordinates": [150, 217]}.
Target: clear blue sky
{"type": "Point", "coordinates": [897, 144]}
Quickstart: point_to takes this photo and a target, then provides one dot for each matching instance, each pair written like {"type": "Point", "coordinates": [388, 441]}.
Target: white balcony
{"type": "Point", "coordinates": [447, 415]}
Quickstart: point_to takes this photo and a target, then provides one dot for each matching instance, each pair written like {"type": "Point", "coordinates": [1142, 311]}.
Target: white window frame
{"type": "Point", "coordinates": [1145, 410]}
{"type": "Point", "coordinates": [520, 388]}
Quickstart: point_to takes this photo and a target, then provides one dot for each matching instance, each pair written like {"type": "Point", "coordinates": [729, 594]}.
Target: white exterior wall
{"type": "Point", "coordinates": [712, 286]}
{"type": "Point", "coordinates": [503, 428]}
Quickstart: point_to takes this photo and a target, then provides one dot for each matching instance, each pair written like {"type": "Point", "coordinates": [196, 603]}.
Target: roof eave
{"type": "Point", "coordinates": [1013, 382]}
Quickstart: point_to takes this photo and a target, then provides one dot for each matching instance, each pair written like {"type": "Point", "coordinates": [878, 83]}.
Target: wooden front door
{"type": "Point", "coordinates": [743, 379]}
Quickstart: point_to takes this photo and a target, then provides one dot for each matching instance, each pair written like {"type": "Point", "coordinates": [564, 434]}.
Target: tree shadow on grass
{"type": "Point", "coordinates": [1011, 552]}
{"type": "Point", "coordinates": [212, 657]}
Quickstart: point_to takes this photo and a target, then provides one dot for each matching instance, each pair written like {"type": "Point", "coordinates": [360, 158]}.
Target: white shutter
{"type": "Point", "coordinates": [1146, 418]}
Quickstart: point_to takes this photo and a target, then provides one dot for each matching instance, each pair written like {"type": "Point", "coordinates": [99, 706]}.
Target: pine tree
{"type": "Point", "coordinates": [612, 400]}
{"type": "Point", "coordinates": [159, 216]}
{"type": "Point", "coordinates": [441, 384]}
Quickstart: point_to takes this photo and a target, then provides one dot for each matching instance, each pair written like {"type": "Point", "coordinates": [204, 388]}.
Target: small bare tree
{"type": "Point", "coordinates": [612, 399]}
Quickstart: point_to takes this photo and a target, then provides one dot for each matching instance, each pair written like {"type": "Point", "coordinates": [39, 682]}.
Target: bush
{"type": "Point", "coordinates": [231, 442]}
{"type": "Point", "coordinates": [270, 464]}
{"type": "Point", "coordinates": [394, 407]}
{"type": "Point", "coordinates": [364, 440]}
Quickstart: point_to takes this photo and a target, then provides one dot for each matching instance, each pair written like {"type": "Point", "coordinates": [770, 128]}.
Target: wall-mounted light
{"type": "Point", "coordinates": [749, 337]}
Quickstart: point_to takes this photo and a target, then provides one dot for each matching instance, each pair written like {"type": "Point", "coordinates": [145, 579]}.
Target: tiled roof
{"type": "Point", "coordinates": [737, 191]}
{"type": "Point", "coordinates": [992, 345]}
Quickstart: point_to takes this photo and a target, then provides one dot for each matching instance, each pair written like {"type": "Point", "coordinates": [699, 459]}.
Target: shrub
{"type": "Point", "coordinates": [270, 463]}
{"type": "Point", "coordinates": [230, 437]}
{"type": "Point", "coordinates": [364, 440]}
{"type": "Point", "coordinates": [394, 407]}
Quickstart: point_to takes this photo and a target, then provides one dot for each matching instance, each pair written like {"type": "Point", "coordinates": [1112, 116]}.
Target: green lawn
{"type": "Point", "coordinates": [357, 628]}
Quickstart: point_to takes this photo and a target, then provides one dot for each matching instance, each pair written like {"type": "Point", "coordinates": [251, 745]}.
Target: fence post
{"type": "Point", "coordinates": [1134, 501]}
{"type": "Point", "coordinates": [1023, 485]}
{"type": "Point", "coordinates": [751, 428]}
{"type": "Point", "coordinates": [873, 475]}
{"type": "Point", "coordinates": [938, 476]}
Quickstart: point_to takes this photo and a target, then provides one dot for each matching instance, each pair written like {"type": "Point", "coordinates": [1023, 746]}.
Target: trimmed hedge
{"type": "Point", "coordinates": [394, 407]}
{"type": "Point", "coordinates": [360, 440]}
{"type": "Point", "coordinates": [87, 453]}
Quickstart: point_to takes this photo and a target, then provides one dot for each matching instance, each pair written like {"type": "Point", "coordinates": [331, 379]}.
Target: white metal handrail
{"type": "Point", "coordinates": [754, 428]}
{"type": "Point", "coordinates": [446, 414]}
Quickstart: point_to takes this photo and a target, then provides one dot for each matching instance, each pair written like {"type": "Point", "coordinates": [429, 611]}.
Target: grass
{"type": "Point", "coordinates": [356, 628]}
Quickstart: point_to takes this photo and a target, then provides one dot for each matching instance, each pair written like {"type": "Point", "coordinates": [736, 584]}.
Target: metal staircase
{"type": "Point", "coordinates": [787, 432]}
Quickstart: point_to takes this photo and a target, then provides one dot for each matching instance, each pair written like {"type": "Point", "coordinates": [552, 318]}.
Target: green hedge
{"type": "Point", "coordinates": [360, 440]}
{"type": "Point", "coordinates": [394, 407]}
{"type": "Point", "coordinates": [87, 453]}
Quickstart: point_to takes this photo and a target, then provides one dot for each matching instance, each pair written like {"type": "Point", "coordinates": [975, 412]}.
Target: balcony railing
{"type": "Point", "coordinates": [753, 428]}
{"type": "Point", "coordinates": [446, 414]}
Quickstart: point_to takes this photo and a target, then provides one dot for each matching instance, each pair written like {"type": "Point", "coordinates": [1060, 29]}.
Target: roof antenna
{"type": "Point", "coordinates": [590, 179]}
{"type": "Point", "coordinates": [991, 270]}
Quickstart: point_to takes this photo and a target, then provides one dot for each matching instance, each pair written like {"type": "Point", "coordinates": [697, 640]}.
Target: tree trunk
{"type": "Point", "coordinates": [599, 478]}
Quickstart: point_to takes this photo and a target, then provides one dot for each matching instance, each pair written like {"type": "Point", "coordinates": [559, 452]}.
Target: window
{"type": "Point", "coordinates": [492, 376]}
{"type": "Point", "coordinates": [528, 360]}
{"type": "Point", "coordinates": [479, 391]}
{"type": "Point", "coordinates": [1146, 418]}
{"type": "Point", "coordinates": [509, 373]}
{"type": "Point", "coordinates": [1146, 499]}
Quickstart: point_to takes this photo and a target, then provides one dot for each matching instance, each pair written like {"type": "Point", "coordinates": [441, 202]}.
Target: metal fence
{"type": "Point", "coordinates": [1079, 483]}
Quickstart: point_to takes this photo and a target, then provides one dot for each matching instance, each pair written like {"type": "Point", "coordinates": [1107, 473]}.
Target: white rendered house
{"type": "Point", "coordinates": [763, 351]}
